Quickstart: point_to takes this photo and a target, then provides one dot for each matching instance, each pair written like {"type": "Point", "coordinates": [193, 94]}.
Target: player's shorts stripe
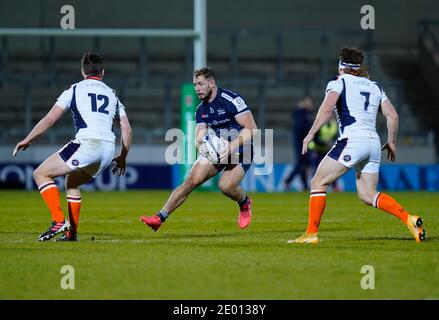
{"type": "Point", "coordinates": [69, 150]}
{"type": "Point", "coordinates": [337, 149]}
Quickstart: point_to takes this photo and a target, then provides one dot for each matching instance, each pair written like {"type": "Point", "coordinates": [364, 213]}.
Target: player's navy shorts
{"type": "Point", "coordinates": [243, 157]}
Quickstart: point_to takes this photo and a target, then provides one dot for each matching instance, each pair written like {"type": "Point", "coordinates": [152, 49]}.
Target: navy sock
{"type": "Point", "coordinates": [243, 202]}
{"type": "Point", "coordinates": [163, 215]}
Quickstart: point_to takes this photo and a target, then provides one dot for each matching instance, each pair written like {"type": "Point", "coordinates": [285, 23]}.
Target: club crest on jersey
{"type": "Point", "coordinates": [75, 162]}
{"type": "Point", "coordinates": [239, 104]}
{"type": "Point", "coordinates": [347, 158]}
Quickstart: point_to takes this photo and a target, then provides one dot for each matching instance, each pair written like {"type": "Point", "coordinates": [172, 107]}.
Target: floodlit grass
{"type": "Point", "coordinates": [200, 252]}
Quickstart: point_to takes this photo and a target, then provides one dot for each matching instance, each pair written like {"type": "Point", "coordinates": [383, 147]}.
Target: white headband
{"type": "Point", "coordinates": [343, 65]}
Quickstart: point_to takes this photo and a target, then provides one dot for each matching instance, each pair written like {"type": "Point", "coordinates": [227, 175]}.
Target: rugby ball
{"type": "Point", "coordinates": [212, 147]}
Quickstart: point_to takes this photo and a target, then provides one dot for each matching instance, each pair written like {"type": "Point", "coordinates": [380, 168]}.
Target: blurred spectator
{"type": "Point", "coordinates": [302, 120]}
{"type": "Point", "coordinates": [322, 143]}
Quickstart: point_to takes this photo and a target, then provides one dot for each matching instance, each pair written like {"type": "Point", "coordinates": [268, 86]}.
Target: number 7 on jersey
{"type": "Point", "coordinates": [366, 103]}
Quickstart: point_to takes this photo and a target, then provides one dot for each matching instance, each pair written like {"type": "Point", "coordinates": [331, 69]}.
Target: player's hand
{"type": "Point", "coordinates": [306, 141]}
{"type": "Point", "coordinates": [120, 165]}
{"type": "Point", "coordinates": [22, 145]}
{"type": "Point", "coordinates": [391, 151]}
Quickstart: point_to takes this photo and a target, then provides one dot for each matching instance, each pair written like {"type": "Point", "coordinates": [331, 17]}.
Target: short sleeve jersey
{"type": "Point", "coordinates": [94, 105]}
{"type": "Point", "coordinates": [220, 114]}
{"type": "Point", "coordinates": [358, 104]}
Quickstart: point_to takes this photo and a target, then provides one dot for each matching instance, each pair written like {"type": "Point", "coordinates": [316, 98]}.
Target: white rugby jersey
{"type": "Point", "coordinates": [358, 104]}
{"type": "Point", "coordinates": [94, 105]}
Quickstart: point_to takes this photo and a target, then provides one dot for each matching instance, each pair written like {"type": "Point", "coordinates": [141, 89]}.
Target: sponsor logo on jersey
{"type": "Point", "coordinates": [211, 110]}
{"type": "Point", "coordinates": [215, 122]}
{"type": "Point", "coordinates": [75, 162]}
{"type": "Point", "coordinates": [221, 111]}
{"type": "Point", "coordinates": [347, 158]}
{"type": "Point", "coordinates": [226, 96]}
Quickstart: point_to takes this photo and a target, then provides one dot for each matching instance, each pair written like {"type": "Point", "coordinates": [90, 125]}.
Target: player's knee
{"type": "Point", "coordinates": [225, 186]}
{"type": "Point", "coordinates": [193, 182]}
{"type": "Point", "coordinates": [317, 183]}
{"type": "Point", "coordinates": [37, 174]}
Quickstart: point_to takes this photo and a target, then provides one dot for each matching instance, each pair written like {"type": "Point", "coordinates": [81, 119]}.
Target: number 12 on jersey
{"type": "Point", "coordinates": [94, 103]}
{"type": "Point", "coordinates": [366, 95]}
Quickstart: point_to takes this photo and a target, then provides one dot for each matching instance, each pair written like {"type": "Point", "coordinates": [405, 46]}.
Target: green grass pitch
{"type": "Point", "coordinates": [200, 252]}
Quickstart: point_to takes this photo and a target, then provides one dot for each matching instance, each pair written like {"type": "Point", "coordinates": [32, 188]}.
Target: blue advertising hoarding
{"type": "Point", "coordinates": [19, 176]}
{"type": "Point", "coordinates": [393, 177]}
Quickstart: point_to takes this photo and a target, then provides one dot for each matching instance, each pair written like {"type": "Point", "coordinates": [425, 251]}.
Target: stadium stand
{"type": "Point", "coordinates": [272, 68]}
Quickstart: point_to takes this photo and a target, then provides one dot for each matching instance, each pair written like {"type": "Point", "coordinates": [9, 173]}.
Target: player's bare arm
{"type": "Point", "coordinates": [200, 132]}
{"type": "Point", "coordinates": [49, 119]}
{"type": "Point", "coordinates": [248, 124]}
{"type": "Point", "coordinates": [125, 144]}
{"type": "Point", "coordinates": [323, 116]}
{"type": "Point", "coordinates": [392, 129]}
